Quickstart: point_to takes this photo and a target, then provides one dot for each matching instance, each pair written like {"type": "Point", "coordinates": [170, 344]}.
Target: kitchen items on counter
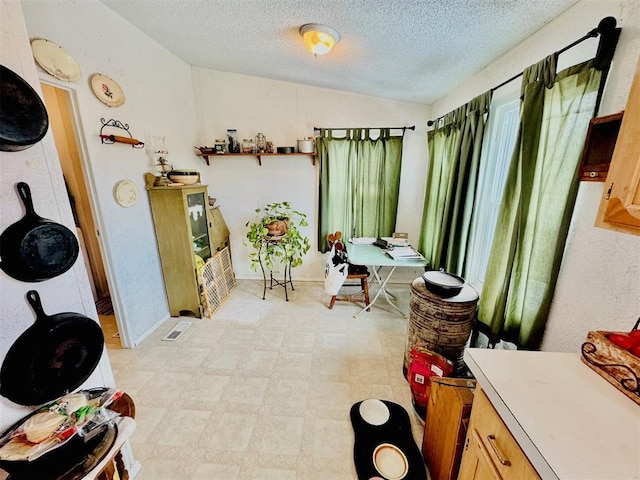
{"type": "Point", "coordinates": [615, 356]}
{"type": "Point", "coordinates": [34, 249]}
{"type": "Point", "coordinates": [23, 116]}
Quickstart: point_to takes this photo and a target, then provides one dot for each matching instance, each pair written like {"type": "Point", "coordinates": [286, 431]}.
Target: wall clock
{"type": "Point", "coordinates": [126, 193]}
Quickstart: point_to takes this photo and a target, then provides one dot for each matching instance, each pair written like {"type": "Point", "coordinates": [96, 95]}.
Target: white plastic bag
{"type": "Point", "coordinates": [335, 272]}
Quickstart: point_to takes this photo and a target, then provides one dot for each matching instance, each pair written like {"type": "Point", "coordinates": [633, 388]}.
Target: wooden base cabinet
{"type": "Point", "coordinates": [183, 230]}
{"type": "Point", "coordinates": [490, 451]}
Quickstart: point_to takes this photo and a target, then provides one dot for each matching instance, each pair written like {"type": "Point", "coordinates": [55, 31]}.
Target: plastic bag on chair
{"type": "Point", "coordinates": [335, 272]}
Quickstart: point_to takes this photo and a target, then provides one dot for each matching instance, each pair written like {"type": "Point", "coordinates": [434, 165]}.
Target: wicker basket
{"type": "Point", "coordinates": [613, 363]}
{"type": "Point", "coordinates": [218, 280]}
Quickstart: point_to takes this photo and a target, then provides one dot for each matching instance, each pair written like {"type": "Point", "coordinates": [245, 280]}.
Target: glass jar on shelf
{"type": "Point", "coordinates": [232, 138]}
{"type": "Point", "coordinates": [219, 146]}
{"type": "Point", "coordinates": [261, 143]}
{"type": "Point", "coordinates": [248, 145]}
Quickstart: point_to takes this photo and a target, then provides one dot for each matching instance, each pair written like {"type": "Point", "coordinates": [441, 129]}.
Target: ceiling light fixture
{"type": "Point", "coordinates": [319, 39]}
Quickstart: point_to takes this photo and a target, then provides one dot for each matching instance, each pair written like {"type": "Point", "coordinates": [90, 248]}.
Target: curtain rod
{"type": "Point", "coordinates": [608, 41]}
{"type": "Point", "coordinates": [412, 127]}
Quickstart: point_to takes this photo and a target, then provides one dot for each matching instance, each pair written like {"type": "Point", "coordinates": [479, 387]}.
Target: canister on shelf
{"type": "Point", "coordinates": [219, 146]}
{"type": "Point", "coordinates": [261, 143]}
{"type": "Point", "coordinates": [234, 144]}
{"type": "Point", "coordinates": [248, 145]}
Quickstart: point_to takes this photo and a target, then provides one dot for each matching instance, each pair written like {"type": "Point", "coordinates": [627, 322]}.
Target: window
{"type": "Point", "coordinates": [496, 154]}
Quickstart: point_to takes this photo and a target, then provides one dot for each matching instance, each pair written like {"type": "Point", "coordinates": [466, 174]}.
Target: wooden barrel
{"type": "Point", "coordinates": [443, 325]}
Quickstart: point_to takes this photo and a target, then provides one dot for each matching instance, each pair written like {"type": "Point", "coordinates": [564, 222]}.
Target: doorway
{"type": "Point", "coordinates": [63, 126]}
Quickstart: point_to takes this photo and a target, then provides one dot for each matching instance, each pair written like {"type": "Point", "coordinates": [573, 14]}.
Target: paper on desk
{"type": "Point", "coordinates": [403, 253]}
{"type": "Point", "coordinates": [362, 240]}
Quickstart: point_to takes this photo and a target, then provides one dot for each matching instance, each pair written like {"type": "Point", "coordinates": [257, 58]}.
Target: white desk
{"type": "Point", "coordinates": [570, 422]}
{"type": "Point", "coordinates": [376, 258]}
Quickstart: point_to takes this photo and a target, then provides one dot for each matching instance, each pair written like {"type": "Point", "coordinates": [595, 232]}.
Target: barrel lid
{"type": "Point", "coordinates": [467, 294]}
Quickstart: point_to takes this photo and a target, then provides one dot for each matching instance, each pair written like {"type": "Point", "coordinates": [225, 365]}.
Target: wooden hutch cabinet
{"type": "Point", "coordinates": [184, 229]}
{"type": "Point", "coordinates": [620, 204]}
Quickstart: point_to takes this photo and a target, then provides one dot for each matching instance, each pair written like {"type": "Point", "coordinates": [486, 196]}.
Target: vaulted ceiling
{"type": "Point", "coordinates": [413, 50]}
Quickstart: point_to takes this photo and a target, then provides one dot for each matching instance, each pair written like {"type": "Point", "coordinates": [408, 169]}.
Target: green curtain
{"type": "Point", "coordinates": [538, 200]}
{"type": "Point", "coordinates": [359, 183]}
{"type": "Point", "coordinates": [454, 158]}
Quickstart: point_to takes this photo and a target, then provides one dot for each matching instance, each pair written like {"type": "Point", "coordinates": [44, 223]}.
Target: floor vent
{"type": "Point", "coordinates": [178, 330]}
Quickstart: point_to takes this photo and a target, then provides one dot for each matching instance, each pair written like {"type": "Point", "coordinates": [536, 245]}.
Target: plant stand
{"type": "Point", "coordinates": [287, 269]}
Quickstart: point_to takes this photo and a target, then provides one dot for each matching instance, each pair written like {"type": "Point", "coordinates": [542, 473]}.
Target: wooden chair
{"type": "Point", "coordinates": [356, 272]}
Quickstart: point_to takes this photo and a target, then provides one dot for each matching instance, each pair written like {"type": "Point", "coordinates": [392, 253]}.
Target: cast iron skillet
{"type": "Point", "coordinates": [35, 249]}
{"type": "Point", "coordinates": [72, 459]}
{"type": "Point", "coordinates": [23, 116]}
{"type": "Point", "coordinates": [53, 357]}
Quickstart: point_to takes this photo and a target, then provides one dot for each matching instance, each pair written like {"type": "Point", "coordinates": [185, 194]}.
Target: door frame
{"type": "Point", "coordinates": [126, 337]}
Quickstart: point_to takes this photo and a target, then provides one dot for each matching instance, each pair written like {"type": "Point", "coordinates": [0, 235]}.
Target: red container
{"type": "Point", "coordinates": [425, 364]}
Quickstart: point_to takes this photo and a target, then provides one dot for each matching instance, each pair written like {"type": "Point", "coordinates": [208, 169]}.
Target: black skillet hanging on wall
{"type": "Point", "coordinates": [23, 116]}
{"type": "Point", "coordinates": [53, 357]}
{"type": "Point", "coordinates": [35, 249]}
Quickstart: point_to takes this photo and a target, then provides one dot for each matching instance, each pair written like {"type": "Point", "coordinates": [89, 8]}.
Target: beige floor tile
{"type": "Point", "coordinates": [245, 389]}
{"type": "Point", "coordinates": [212, 471]}
{"type": "Point", "coordinates": [228, 432]}
{"type": "Point", "coordinates": [278, 435]}
{"type": "Point", "coordinates": [263, 389]}
{"type": "Point", "coordinates": [273, 474]}
{"type": "Point", "coordinates": [333, 439]}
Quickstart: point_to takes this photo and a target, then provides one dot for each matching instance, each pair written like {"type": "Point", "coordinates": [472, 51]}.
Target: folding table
{"type": "Point", "coordinates": [376, 258]}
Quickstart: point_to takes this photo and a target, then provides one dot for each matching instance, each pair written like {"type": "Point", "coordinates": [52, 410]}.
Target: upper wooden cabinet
{"type": "Point", "coordinates": [620, 204]}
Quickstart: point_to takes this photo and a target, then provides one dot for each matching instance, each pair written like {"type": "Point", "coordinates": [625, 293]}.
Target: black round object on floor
{"type": "Point", "coordinates": [383, 441]}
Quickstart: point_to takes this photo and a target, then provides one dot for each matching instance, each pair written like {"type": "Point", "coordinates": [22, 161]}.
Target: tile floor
{"type": "Point", "coordinates": [263, 389]}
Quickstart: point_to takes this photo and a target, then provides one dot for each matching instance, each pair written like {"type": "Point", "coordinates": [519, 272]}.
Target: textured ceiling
{"type": "Point", "coordinates": [414, 50]}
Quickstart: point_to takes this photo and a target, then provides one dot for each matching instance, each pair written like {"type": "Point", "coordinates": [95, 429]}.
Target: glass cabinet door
{"type": "Point", "coordinates": [199, 224]}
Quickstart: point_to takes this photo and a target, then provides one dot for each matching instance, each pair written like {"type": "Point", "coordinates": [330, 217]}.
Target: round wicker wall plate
{"type": "Point", "coordinates": [107, 90]}
{"type": "Point", "coordinates": [55, 60]}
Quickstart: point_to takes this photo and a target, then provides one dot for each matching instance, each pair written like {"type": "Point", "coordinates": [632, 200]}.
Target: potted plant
{"type": "Point", "coordinates": [275, 235]}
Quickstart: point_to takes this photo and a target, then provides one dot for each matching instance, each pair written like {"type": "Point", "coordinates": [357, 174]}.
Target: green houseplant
{"type": "Point", "coordinates": [275, 235]}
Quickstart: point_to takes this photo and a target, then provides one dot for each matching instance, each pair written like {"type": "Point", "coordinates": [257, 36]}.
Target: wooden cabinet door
{"type": "Point", "coordinates": [620, 204]}
{"type": "Point", "coordinates": [476, 464]}
{"type": "Point", "coordinates": [490, 449]}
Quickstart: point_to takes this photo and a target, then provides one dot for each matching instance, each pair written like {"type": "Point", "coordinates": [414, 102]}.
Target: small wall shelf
{"type": "Point", "coordinates": [257, 155]}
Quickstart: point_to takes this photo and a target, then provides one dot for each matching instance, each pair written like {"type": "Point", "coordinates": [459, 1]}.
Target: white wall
{"type": "Point", "coordinates": [599, 283]}
{"type": "Point", "coordinates": [39, 167]}
{"type": "Point", "coordinates": [285, 112]}
{"type": "Point", "coordinates": [159, 102]}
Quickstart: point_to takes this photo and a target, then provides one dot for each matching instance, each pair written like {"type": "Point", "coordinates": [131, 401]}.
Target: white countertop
{"type": "Point", "coordinates": [570, 422]}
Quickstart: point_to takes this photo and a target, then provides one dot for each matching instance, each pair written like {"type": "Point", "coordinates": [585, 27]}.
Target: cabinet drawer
{"type": "Point", "coordinates": [501, 448]}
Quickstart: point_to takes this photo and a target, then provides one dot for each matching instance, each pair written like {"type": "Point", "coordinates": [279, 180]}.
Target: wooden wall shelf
{"type": "Point", "coordinates": [257, 155]}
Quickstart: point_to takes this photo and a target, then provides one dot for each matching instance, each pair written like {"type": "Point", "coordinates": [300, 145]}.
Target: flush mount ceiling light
{"type": "Point", "coordinates": [319, 39]}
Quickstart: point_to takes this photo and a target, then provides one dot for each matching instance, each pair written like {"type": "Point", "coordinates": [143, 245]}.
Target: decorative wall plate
{"type": "Point", "coordinates": [126, 193]}
{"type": "Point", "coordinates": [55, 60]}
{"type": "Point", "coordinates": [107, 90]}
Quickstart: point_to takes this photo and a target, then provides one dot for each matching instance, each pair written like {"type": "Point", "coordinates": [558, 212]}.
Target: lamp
{"type": "Point", "coordinates": [319, 39]}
